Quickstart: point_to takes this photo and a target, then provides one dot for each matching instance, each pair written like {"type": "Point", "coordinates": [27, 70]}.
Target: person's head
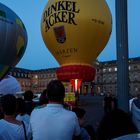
{"type": "Point", "coordinates": [20, 106]}
{"type": "Point", "coordinates": [80, 113]}
{"type": "Point", "coordinates": [8, 103]}
{"type": "Point", "coordinates": [114, 124]}
{"type": "Point", "coordinates": [43, 99]}
{"type": "Point", "coordinates": [108, 93]}
{"type": "Point", "coordinates": [138, 95]}
{"type": "Point", "coordinates": [28, 95]}
{"type": "Point", "coordinates": [55, 91]}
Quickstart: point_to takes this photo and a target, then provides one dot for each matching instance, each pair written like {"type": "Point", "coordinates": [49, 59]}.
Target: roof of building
{"type": "Point", "coordinates": [16, 69]}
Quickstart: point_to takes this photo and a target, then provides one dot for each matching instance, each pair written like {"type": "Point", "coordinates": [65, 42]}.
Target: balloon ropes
{"type": "Point", "coordinates": [76, 32]}
{"type": "Point", "coordinates": [13, 39]}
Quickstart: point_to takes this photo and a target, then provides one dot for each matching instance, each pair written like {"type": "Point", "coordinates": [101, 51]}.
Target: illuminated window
{"type": "Point", "coordinates": [109, 69]}
{"type": "Point", "coordinates": [36, 76]}
{"type": "Point", "coordinates": [104, 70]}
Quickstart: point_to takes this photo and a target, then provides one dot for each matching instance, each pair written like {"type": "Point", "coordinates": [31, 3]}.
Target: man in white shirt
{"type": "Point", "coordinates": [10, 128]}
{"type": "Point", "coordinates": [53, 122]}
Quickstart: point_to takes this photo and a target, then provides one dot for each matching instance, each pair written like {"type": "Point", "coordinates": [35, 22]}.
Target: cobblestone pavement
{"type": "Point", "coordinates": [93, 107]}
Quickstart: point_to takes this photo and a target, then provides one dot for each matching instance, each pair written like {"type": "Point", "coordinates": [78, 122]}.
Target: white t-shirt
{"type": "Point", "coordinates": [10, 131]}
{"type": "Point", "coordinates": [130, 103]}
{"type": "Point", "coordinates": [129, 137]}
{"type": "Point", "coordinates": [25, 118]}
{"type": "Point", "coordinates": [53, 122]}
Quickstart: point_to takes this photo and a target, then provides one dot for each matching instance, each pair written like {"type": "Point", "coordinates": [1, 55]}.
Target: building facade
{"type": "Point", "coordinates": [105, 79]}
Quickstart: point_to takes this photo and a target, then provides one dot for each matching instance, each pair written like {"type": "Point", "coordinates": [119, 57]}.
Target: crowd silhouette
{"type": "Point", "coordinates": [51, 119]}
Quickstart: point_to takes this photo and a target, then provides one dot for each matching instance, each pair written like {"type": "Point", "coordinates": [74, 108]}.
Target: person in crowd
{"type": "Point", "coordinates": [43, 100]}
{"type": "Point", "coordinates": [114, 124]}
{"type": "Point", "coordinates": [29, 105]}
{"type": "Point", "coordinates": [89, 128]}
{"type": "Point", "coordinates": [107, 103]}
{"type": "Point", "coordinates": [114, 102]}
{"type": "Point", "coordinates": [80, 112]}
{"type": "Point", "coordinates": [135, 111]}
{"type": "Point", "coordinates": [11, 129]}
{"type": "Point", "coordinates": [53, 122]}
{"type": "Point", "coordinates": [20, 111]}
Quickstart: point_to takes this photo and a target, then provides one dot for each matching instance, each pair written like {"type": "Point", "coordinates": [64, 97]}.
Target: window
{"type": "Point", "coordinates": [110, 77]}
{"type": "Point", "coordinates": [136, 88]}
{"type": "Point", "coordinates": [98, 70]}
{"type": "Point", "coordinates": [135, 67]}
{"type": "Point", "coordinates": [135, 77]}
{"type": "Point", "coordinates": [18, 74]}
{"type": "Point", "coordinates": [104, 70]}
{"type": "Point", "coordinates": [110, 69]}
{"type": "Point", "coordinates": [98, 79]}
{"type": "Point", "coordinates": [14, 73]}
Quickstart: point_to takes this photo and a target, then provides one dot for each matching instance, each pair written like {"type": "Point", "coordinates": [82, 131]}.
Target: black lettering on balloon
{"type": "Point", "coordinates": [61, 11]}
{"type": "Point", "coordinates": [64, 17]}
{"type": "Point", "coordinates": [69, 6]}
{"type": "Point", "coordinates": [71, 18]}
{"type": "Point", "coordinates": [74, 8]}
{"type": "Point", "coordinates": [57, 17]}
{"type": "Point", "coordinates": [66, 52]}
{"type": "Point", "coordinates": [61, 5]}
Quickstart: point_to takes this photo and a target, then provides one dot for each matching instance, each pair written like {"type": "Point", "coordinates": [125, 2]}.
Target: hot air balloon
{"type": "Point", "coordinates": [75, 32]}
{"type": "Point", "coordinates": [13, 39]}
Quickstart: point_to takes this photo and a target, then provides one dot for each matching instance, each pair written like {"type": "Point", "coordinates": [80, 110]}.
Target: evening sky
{"type": "Point", "coordinates": [37, 56]}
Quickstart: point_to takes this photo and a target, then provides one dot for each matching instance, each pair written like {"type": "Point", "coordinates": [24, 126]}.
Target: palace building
{"type": "Point", "coordinates": [105, 79]}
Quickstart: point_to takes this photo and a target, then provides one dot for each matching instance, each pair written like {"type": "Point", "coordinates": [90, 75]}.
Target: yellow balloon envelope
{"type": "Point", "coordinates": [76, 31]}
